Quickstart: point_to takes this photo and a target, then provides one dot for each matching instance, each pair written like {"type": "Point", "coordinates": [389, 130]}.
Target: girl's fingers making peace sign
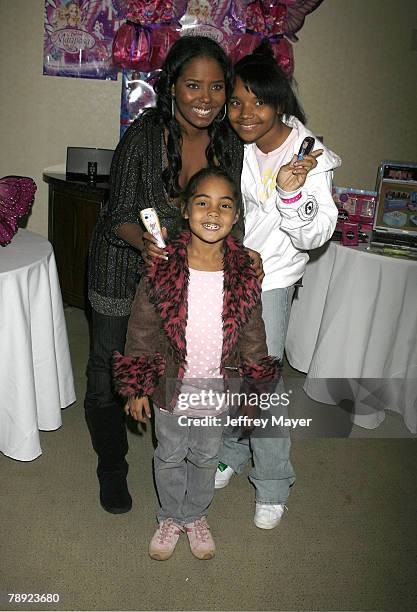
{"type": "Point", "coordinates": [292, 176]}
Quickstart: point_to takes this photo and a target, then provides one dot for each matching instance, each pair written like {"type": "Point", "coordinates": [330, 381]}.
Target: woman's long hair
{"type": "Point", "coordinates": [261, 75]}
{"type": "Point", "coordinates": [183, 51]}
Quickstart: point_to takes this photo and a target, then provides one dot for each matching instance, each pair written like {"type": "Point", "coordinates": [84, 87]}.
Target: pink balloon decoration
{"type": "Point", "coordinates": [255, 19]}
{"type": "Point", "coordinates": [283, 53]}
{"type": "Point", "coordinates": [162, 39]}
{"type": "Point", "coordinates": [131, 47]}
{"type": "Point", "coordinates": [270, 17]}
{"type": "Point", "coordinates": [297, 10]}
{"type": "Point", "coordinates": [142, 48]}
{"type": "Point", "coordinates": [238, 46]}
{"type": "Point", "coordinates": [146, 12]}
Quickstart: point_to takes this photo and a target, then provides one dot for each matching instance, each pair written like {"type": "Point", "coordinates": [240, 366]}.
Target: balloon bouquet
{"type": "Point", "coordinates": [152, 26]}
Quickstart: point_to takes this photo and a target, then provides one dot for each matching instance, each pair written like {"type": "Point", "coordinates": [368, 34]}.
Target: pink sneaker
{"type": "Point", "coordinates": [201, 542]}
{"type": "Point", "coordinates": [164, 540]}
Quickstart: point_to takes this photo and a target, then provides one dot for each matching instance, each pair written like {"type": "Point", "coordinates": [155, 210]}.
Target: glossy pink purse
{"type": "Point", "coordinates": [17, 194]}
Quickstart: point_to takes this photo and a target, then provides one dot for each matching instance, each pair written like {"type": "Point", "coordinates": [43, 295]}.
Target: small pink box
{"type": "Point", "coordinates": [350, 234]}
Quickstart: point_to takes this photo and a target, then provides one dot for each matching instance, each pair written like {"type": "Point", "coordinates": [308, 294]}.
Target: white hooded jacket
{"type": "Point", "coordinates": [283, 232]}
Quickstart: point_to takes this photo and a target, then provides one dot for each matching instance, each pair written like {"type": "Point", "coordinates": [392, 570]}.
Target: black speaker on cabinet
{"type": "Point", "coordinates": [79, 158]}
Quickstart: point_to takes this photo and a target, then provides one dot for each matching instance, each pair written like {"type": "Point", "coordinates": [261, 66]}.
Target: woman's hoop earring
{"type": "Point", "coordinates": [173, 107]}
{"type": "Point", "coordinates": [224, 114]}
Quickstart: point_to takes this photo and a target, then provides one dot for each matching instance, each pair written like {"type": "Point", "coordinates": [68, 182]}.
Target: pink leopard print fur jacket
{"type": "Point", "coordinates": [155, 348]}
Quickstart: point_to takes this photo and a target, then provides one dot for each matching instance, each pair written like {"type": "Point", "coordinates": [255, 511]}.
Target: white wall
{"type": "Point", "coordinates": [42, 115]}
{"type": "Point", "coordinates": [357, 80]}
{"type": "Point", "coordinates": [354, 66]}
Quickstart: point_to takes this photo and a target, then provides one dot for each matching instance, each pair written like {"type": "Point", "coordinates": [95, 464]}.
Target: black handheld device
{"type": "Point", "coordinates": [306, 147]}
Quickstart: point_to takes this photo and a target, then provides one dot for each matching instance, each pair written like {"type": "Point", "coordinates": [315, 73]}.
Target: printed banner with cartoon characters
{"type": "Point", "coordinates": [78, 36]}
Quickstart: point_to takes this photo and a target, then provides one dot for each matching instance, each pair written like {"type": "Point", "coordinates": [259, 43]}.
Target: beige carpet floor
{"type": "Point", "coordinates": [347, 542]}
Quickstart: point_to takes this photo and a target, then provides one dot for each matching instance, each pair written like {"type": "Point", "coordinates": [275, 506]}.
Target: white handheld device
{"type": "Point", "coordinates": [151, 222]}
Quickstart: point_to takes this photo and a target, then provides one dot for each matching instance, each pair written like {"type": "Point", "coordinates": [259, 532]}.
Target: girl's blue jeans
{"type": "Point", "coordinates": [272, 473]}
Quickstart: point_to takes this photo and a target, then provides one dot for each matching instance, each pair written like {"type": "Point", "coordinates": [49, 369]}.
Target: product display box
{"type": "Point", "coordinates": [356, 209]}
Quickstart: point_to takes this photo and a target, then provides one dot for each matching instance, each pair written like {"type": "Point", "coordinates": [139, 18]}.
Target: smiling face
{"type": "Point", "coordinates": [73, 12]}
{"type": "Point", "coordinates": [252, 119]}
{"type": "Point", "coordinates": [212, 210]}
{"type": "Point", "coordinates": [199, 93]}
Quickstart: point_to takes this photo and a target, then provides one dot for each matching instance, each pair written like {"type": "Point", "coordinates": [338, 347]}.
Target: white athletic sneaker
{"type": "Point", "coordinates": [222, 478]}
{"type": "Point", "coordinates": [267, 516]}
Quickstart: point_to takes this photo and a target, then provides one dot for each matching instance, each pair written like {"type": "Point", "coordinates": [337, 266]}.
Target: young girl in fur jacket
{"type": "Point", "coordinates": [197, 315]}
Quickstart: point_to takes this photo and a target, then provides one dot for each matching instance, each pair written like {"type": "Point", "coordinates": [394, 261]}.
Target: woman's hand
{"type": "Point", "coordinates": [293, 175]}
{"type": "Point", "coordinates": [150, 249]}
{"type": "Point", "coordinates": [139, 408]}
{"type": "Point", "coordinates": [256, 264]}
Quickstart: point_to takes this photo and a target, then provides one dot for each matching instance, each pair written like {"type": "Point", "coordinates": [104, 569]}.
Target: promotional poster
{"type": "Point", "coordinates": [78, 38]}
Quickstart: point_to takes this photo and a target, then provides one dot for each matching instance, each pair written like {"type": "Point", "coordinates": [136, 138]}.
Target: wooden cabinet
{"type": "Point", "coordinates": [73, 208]}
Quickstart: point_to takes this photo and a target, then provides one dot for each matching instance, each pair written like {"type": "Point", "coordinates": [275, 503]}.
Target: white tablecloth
{"type": "Point", "coordinates": [36, 378]}
{"type": "Point", "coordinates": [353, 330]}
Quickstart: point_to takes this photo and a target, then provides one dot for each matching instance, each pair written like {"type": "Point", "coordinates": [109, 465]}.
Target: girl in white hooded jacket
{"type": "Point", "coordinates": [288, 210]}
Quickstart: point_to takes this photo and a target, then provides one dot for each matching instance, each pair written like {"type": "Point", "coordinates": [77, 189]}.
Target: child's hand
{"type": "Point", "coordinates": [150, 249]}
{"type": "Point", "coordinates": [293, 175]}
{"type": "Point", "coordinates": [137, 406]}
{"type": "Point", "coordinates": [256, 264]}
{"type": "Point", "coordinates": [252, 413]}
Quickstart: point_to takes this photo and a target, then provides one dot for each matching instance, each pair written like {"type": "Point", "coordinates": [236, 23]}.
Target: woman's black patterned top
{"type": "Point", "coordinates": [135, 183]}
